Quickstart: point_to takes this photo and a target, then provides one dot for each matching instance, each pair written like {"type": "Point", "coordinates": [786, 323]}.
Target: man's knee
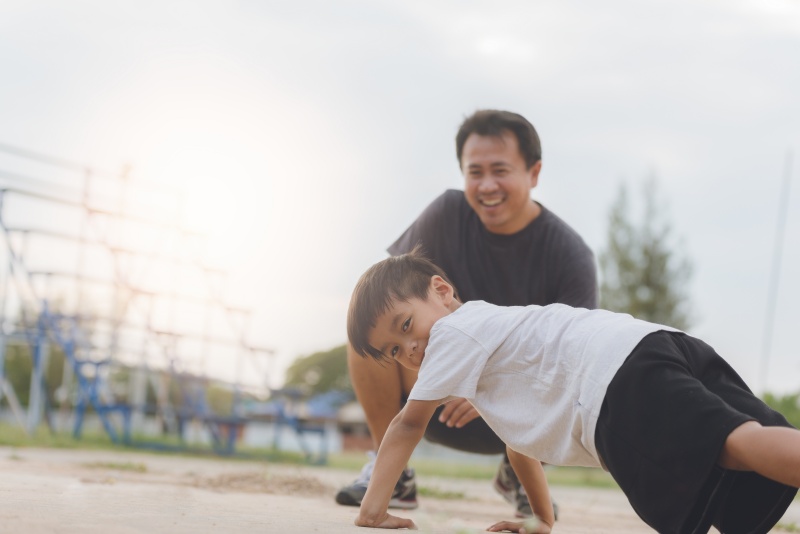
{"type": "Point", "coordinates": [734, 454]}
{"type": "Point", "coordinates": [475, 436]}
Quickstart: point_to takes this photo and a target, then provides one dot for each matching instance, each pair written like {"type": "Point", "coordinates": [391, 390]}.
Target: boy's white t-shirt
{"type": "Point", "coordinates": [536, 374]}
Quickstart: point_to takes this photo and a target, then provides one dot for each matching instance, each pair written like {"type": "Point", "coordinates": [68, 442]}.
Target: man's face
{"type": "Point", "coordinates": [498, 183]}
{"type": "Point", "coordinates": [402, 332]}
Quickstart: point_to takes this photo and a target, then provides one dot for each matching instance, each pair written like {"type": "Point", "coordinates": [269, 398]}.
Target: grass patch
{"type": "Point", "coordinates": [15, 437]}
{"type": "Point", "coordinates": [134, 467]}
{"type": "Point", "coordinates": [788, 527]}
{"type": "Point", "coordinates": [477, 471]}
{"type": "Point", "coordinates": [585, 477]}
{"type": "Point", "coordinates": [355, 461]}
{"type": "Point", "coordinates": [436, 493]}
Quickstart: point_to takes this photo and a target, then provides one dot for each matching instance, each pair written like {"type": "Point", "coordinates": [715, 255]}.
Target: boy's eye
{"type": "Point", "coordinates": [394, 350]}
{"type": "Point", "coordinates": [406, 324]}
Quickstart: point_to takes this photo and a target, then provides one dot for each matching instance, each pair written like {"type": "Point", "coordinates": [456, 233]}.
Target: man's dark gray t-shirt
{"type": "Point", "coordinates": [544, 263]}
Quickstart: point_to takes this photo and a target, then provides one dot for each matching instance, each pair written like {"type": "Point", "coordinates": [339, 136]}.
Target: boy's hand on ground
{"type": "Point", "coordinates": [457, 413]}
{"type": "Point", "coordinates": [523, 527]}
{"type": "Point", "coordinates": [387, 521]}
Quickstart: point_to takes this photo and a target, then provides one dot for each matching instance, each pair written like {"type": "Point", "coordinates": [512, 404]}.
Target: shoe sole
{"type": "Point", "coordinates": [348, 500]}
{"type": "Point", "coordinates": [403, 505]}
{"type": "Point", "coordinates": [520, 515]}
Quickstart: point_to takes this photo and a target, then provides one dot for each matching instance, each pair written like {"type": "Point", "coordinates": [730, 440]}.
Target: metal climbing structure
{"type": "Point", "coordinates": [98, 269]}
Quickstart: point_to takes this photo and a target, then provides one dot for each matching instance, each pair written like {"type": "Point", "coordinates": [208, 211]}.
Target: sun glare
{"type": "Point", "coordinates": [216, 181]}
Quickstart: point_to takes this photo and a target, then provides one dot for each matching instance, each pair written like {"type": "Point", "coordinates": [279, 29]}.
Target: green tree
{"type": "Point", "coordinates": [19, 367]}
{"type": "Point", "coordinates": [220, 398]}
{"type": "Point", "coordinates": [642, 268]}
{"type": "Point", "coordinates": [321, 371]}
{"type": "Point", "coordinates": [787, 405]}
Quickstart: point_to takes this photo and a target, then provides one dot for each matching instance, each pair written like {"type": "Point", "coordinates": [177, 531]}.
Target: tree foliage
{"type": "Point", "coordinates": [19, 367]}
{"type": "Point", "coordinates": [643, 271]}
{"type": "Point", "coordinates": [787, 405]}
{"type": "Point", "coordinates": [321, 371]}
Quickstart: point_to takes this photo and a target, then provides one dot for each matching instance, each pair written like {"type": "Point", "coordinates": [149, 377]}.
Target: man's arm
{"type": "Point", "coordinates": [403, 435]}
{"type": "Point", "coordinates": [531, 475]}
{"type": "Point", "coordinates": [427, 228]}
{"type": "Point", "coordinates": [577, 282]}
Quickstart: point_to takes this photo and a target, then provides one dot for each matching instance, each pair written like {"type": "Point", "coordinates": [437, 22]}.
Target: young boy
{"type": "Point", "coordinates": [679, 431]}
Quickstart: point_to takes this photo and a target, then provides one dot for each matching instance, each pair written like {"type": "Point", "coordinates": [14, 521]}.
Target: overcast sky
{"type": "Point", "coordinates": [309, 134]}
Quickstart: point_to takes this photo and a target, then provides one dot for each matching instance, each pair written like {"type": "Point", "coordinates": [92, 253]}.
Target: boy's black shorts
{"type": "Point", "coordinates": [663, 423]}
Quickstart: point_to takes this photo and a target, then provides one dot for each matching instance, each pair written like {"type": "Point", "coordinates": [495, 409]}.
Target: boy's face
{"type": "Point", "coordinates": [402, 332]}
{"type": "Point", "coordinates": [498, 183]}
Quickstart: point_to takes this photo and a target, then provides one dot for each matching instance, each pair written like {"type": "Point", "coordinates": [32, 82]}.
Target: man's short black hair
{"type": "Point", "coordinates": [492, 123]}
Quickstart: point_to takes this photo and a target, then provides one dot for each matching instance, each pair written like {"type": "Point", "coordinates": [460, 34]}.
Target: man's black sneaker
{"type": "Point", "coordinates": [524, 507]}
{"type": "Point", "coordinates": [404, 495]}
{"type": "Point", "coordinates": [507, 484]}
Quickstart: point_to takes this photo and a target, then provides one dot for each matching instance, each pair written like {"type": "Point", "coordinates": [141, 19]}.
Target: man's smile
{"type": "Point", "coordinates": [491, 202]}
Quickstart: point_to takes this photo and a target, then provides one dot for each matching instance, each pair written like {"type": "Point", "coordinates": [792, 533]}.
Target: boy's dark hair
{"type": "Point", "coordinates": [398, 278]}
{"type": "Point", "coordinates": [492, 123]}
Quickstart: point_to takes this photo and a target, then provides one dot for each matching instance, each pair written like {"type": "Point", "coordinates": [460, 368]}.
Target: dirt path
{"type": "Point", "coordinates": [86, 492]}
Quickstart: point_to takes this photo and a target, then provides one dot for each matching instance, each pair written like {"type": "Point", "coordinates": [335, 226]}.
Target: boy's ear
{"type": "Point", "coordinates": [444, 290]}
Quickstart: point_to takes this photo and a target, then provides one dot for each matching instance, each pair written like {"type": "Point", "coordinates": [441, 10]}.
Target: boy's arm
{"type": "Point", "coordinates": [531, 475]}
{"type": "Point", "coordinates": [402, 436]}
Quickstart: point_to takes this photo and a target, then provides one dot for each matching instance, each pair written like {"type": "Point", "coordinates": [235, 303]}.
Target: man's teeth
{"type": "Point", "coordinates": [491, 202]}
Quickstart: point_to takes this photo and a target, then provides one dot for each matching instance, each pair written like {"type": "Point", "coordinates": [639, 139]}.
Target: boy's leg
{"type": "Point", "coordinates": [755, 500]}
{"type": "Point", "coordinates": [667, 415]}
{"type": "Point", "coordinates": [772, 451]}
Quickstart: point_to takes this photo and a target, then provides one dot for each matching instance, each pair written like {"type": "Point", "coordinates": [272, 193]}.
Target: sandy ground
{"type": "Point", "coordinates": [60, 491]}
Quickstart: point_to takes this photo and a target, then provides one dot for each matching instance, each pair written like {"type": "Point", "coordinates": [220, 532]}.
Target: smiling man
{"type": "Point", "coordinates": [496, 244]}
{"type": "Point", "coordinates": [499, 178]}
